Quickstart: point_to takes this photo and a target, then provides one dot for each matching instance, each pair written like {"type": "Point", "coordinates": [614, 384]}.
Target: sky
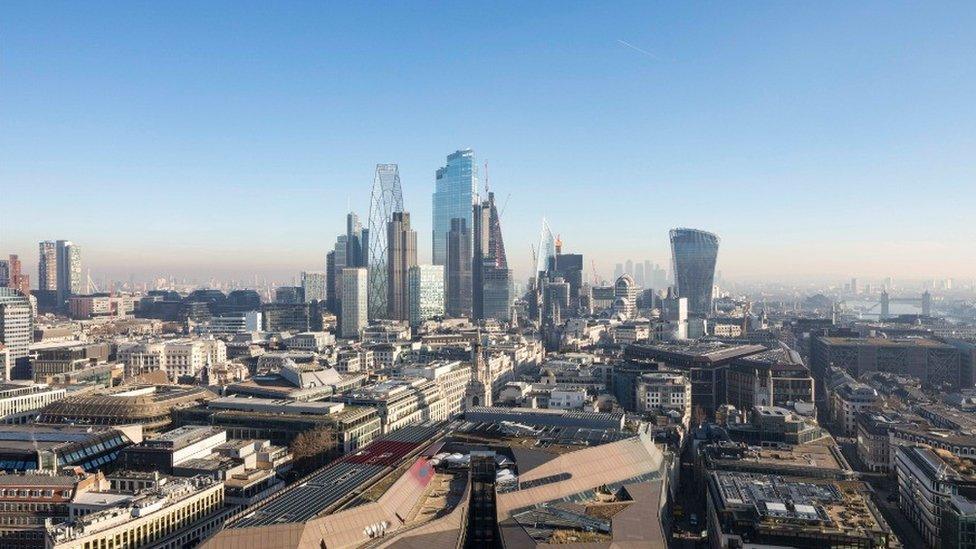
{"type": "Point", "coordinates": [829, 139]}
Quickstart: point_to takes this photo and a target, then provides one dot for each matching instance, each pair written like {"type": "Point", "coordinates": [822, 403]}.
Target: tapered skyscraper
{"type": "Point", "coordinates": [694, 254]}
{"type": "Point", "coordinates": [455, 192]}
{"type": "Point", "coordinates": [401, 256]}
{"type": "Point", "coordinates": [491, 277]}
{"type": "Point", "coordinates": [386, 198]}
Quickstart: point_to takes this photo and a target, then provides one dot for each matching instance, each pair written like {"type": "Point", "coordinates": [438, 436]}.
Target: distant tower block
{"type": "Point", "coordinates": [885, 305]}
{"type": "Point", "coordinates": [927, 304]}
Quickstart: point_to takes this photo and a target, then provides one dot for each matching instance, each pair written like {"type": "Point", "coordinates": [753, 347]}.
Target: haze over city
{"type": "Point", "coordinates": [819, 141]}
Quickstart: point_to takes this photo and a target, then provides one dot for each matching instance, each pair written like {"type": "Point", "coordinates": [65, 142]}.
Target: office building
{"type": "Point", "coordinates": [29, 501]}
{"type": "Point", "coordinates": [331, 274]}
{"type": "Point", "coordinates": [458, 280]}
{"type": "Point", "coordinates": [19, 403]}
{"type": "Point", "coordinates": [47, 266]}
{"type": "Point", "coordinates": [776, 377]}
{"type": "Point", "coordinates": [355, 301]}
{"type": "Point", "coordinates": [69, 270]}
{"type": "Point", "coordinates": [425, 292]}
{"type": "Point", "coordinates": [766, 510]}
{"type": "Point", "coordinates": [285, 317]}
{"type": "Point", "coordinates": [665, 392]}
{"type": "Point", "coordinates": [357, 242]}
{"type": "Point", "coordinates": [338, 263]}
{"type": "Point", "coordinates": [16, 330]}
{"type": "Point", "coordinates": [625, 296]}
{"type": "Point", "coordinates": [491, 277]}
{"type": "Point", "coordinates": [455, 192]}
{"type": "Point", "coordinates": [289, 295]}
{"type": "Point", "coordinates": [928, 482]}
{"type": "Point", "coordinates": [234, 323]}
{"type": "Point", "coordinates": [929, 360]}
{"type": "Point", "coordinates": [12, 275]}
{"type": "Point", "coordinates": [386, 199]}
{"type": "Point", "coordinates": [401, 257]}
{"type": "Point", "coordinates": [314, 284]}
{"type": "Point", "coordinates": [694, 254]}
{"type": "Point", "coordinates": [150, 406]}
{"type": "Point", "coordinates": [180, 513]}
{"type": "Point", "coordinates": [705, 363]}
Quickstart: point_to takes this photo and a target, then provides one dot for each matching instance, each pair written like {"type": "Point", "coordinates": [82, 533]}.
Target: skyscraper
{"type": "Point", "coordinates": [694, 254]}
{"type": "Point", "coordinates": [491, 277]}
{"type": "Point", "coordinates": [331, 274]}
{"type": "Point", "coordinates": [16, 330]}
{"type": "Point", "coordinates": [355, 301]}
{"type": "Point", "coordinates": [547, 248]}
{"type": "Point", "coordinates": [455, 192]}
{"type": "Point", "coordinates": [356, 242]}
{"type": "Point", "coordinates": [458, 280]}
{"type": "Point", "coordinates": [386, 199]}
{"type": "Point", "coordinates": [69, 270]}
{"type": "Point", "coordinates": [401, 256]}
{"type": "Point", "coordinates": [338, 264]}
{"type": "Point", "coordinates": [425, 285]}
{"type": "Point", "coordinates": [4, 273]}
{"type": "Point", "coordinates": [47, 266]}
{"type": "Point", "coordinates": [314, 285]}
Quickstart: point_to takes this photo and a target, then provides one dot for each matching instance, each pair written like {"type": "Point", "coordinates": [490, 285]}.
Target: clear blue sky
{"type": "Point", "coordinates": [825, 138]}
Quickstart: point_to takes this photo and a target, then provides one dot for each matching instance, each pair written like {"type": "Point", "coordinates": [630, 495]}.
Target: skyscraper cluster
{"type": "Point", "coordinates": [472, 274]}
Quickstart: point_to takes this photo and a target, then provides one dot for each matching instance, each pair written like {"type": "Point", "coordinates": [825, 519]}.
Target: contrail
{"type": "Point", "coordinates": [635, 48]}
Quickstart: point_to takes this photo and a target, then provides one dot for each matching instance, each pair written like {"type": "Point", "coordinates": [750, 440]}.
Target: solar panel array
{"type": "Point", "coordinates": [324, 489]}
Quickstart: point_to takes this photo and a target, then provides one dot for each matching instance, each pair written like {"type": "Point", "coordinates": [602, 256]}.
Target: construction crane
{"type": "Point", "coordinates": [92, 288]}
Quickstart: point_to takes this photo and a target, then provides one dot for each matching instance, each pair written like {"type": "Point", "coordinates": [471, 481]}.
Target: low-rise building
{"type": "Point", "coordinates": [927, 481]}
{"type": "Point", "coordinates": [665, 392]}
{"type": "Point", "coordinates": [20, 403]}
{"type": "Point", "coordinates": [767, 510]}
{"type": "Point", "coordinates": [282, 420]}
{"type": "Point", "coordinates": [29, 501]}
{"type": "Point", "coordinates": [402, 401]}
{"type": "Point", "coordinates": [177, 513]}
{"type": "Point", "coordinates": [451, 377]}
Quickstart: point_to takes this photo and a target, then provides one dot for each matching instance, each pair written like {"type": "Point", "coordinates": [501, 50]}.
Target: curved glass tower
{"type": "Point", "coordinates": [455, 191]}
{"type": "Point", "coordinates": [693, 254]}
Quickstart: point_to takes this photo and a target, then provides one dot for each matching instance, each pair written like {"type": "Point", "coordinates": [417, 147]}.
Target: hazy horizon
{"type": "Point", "coordinates": [819, 142]}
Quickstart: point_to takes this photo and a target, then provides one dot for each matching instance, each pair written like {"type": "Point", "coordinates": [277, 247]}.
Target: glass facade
{"type": "Point", "coordinates": [694, 254]}
{"type": "Point", "coordinates": [455, 191]}
{"type": "Point", "coordinates": [426, 292]}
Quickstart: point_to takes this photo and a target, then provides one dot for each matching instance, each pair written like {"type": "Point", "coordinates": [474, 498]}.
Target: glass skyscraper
{"type": "Point", "coordinates": [455, 192]}
{"type": "Point", "coordinates": [694, 253]}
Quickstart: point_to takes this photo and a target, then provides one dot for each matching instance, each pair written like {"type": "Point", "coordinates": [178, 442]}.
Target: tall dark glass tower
{"type": "Point", "coordinates": [455, 191]}
{"type": "Point", "coordinates": [693, 254]}
{"type": "Point", "coordinates": [491, 278]}
{"type": "Point", "coordinates": [458, 274]}
{"type": "Point", "coordinates": [401, 255]}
